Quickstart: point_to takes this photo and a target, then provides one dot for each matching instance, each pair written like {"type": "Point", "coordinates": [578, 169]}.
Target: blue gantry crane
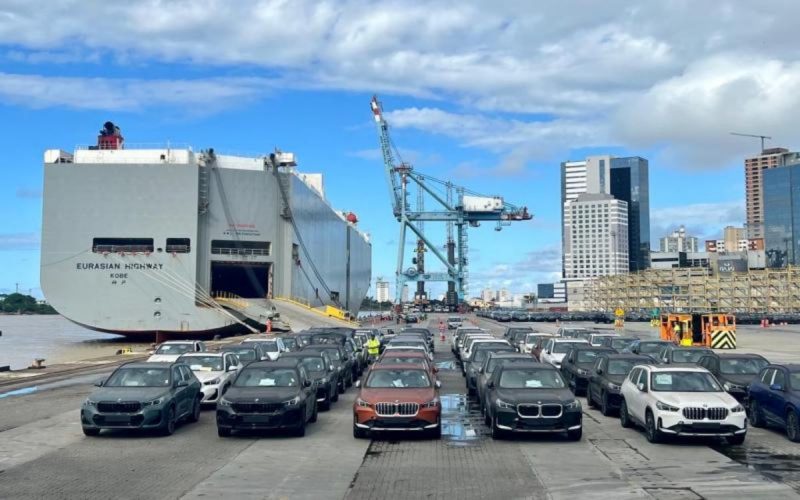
{"type": "Point", "coordinates": [456, 206]}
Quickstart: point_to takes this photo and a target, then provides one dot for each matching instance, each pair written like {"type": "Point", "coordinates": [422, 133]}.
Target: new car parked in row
{"type": "Point", "coordinates": [479, 353]}
{"type": "Point", "coordinates": [531, 397]}
{"type": "Point", "coordinates": [736, 371]}
{"type": "Point", "coordinates": [606, 377]}
{"type": "Point", "coordinates": [555, 349]}
{"type": "Point", "coordinates": [143, 396]}
{"type": "Point", "coordinates": [320, 369]}
{"type": "Point", "coordinates": [577, 365]}
{"type": "Point", "coordinates": [680, 401]}
{"type": "Point", "coordinates": [268, 395]}
{"type": "Point", "coordinates": [673, 353]}
{"type": "Point", "coordinates": [397, 398]}
{"type": "Point", "coordinates": [531, 340]}
{"type": "Point", "coordinates": [649, 348]}
{"type": "Point", "coordinates": [214, 370]}
{"type": "Point", "coordinates": [168, 352]}
{"type": "Point", "coordinates": [774, 399]}
{"type": "Point", "coordinates": [492, 361]}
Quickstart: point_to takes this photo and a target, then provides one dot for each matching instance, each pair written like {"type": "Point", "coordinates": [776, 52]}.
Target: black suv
{"type": "Point", "coordinates": [340, 361]}
{"type": "Point", "coordinates": [531, 397]}
{"type": "Point", "coordinates": [493, 360]}
{"type": "Point", "coordinates": [321, 370]}
{"type": "Point", "coordinates": [649, 348]}
{"type": "Point", "coordinates": [618, 343]}
{"type": "Point", "coordinates": [424, 331]}
{"type": "Point", "coordinates": [268, 395]}
{"type": "Point", "coordinates": [606, 377]}
{"type": "Point", "coordinates": [734, 370]}
{"type": "Point", "coordinates": [341, 337]}
{"type": "Point", "coordinates": [477, 356]}
{"type": "Point", "coordinates": [143, 396]}
{"type": "Point", "coordinates": [577, 364]}
{"type": "Point", "coordinates": [246, 353]}
{"type": "Point", "coordinates": [516, 335]}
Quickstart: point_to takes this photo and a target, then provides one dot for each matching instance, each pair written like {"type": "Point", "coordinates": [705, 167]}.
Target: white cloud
{"type": "Point", "coordinates": [542, 265]}
{"type": "Point", "coordinates": [569, 74]}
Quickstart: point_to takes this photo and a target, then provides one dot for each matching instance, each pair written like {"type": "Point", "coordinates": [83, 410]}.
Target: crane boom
{"type": "Point", "coordinates": [467, 209]}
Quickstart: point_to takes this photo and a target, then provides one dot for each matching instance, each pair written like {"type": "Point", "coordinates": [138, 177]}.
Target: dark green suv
{"type": "Point", "coordinates": [143, 396]}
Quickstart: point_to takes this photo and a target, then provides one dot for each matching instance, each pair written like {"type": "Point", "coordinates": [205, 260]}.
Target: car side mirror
{"type": "Point", "coordinates": [182, 383]}
{"type": "Point", "coordinates": [776, 387]}
{"type": "Point", "coordinates": [306, 383]}
{"type": "Point", "coordinates": [99, 383]}
{"type": "Point", "coordinates": [640, 386]}
{"type": "Point", "coordinates": [599, 371]}
{"type": "Point", "coordinates": [435, 370]}
{"type": "Point", "coordinates": [357, 384]}
{"type": "Point", "coordinates": [437, 384]}
{"type": "Point", "coordinates": [490, 385]}
{"type": "Point", "coordinates": [233, 368]}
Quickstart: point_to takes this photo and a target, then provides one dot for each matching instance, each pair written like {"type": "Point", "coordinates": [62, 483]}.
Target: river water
{"type": "Point", "coordinates": [53, 338]}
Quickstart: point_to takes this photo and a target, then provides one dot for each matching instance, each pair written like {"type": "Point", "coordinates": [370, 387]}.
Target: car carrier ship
{"type": "Point", "coordinates": [170, 241]}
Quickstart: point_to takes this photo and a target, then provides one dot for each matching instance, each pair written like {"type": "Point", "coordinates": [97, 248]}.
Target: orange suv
{"type": "Point", "coordinates": [397, 398]}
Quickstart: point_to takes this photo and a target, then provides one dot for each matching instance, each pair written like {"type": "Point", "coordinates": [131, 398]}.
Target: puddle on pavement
{"type": "Point", "coordinates": [446, 365]}
{"type": "Point", "coordinates": [462, 423]}
{"type": "Point", "coordinates": [773, 465]}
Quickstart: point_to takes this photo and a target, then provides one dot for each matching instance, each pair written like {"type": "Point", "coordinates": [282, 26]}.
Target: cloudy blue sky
{"type": "Point", "coordinates": [492, 94]}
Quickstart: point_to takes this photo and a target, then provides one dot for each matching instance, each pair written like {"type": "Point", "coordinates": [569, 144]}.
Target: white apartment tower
{"type": "Point", "coordinates": [381, 290]}
{"type": "Point", "coordinates": [595, 236]}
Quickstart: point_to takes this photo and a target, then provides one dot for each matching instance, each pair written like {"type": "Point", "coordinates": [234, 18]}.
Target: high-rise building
{"type": "Point", "coordinates": [545, 291]}
{"type": "Point", "coordinates": [381, 290]}
{"type": "Point", "coordinates": [678, 241]}
{"type": "Point", "coordinates": [626, 179]}
{"type": "Point", "coordinates": [404, 294]}
{"type": "Point", "coordinates": [754, 186]}
{"type": "Point", "coordinates": [596, 236]}
{"type": "Point", "coordinates": [781, 216]}
{"type": "Point", "coordinates": [487, 295]}
{"type": "Point", "coordinates": [630, 182]}
{"type": "Point", "coordinates": [503, 295]}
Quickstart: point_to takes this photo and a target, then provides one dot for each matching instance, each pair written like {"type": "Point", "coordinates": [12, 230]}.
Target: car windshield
{"type": "Point", "coordinates": [688, 355]}
{"type": "Point", "coordinates": [454, 320]}
{"type": "Point", "coordinates": [244, 355]}
{"type": "Point", "coordinates": [267, 346]}
{"type": "Point", "coordinates": [620, 344]}
{"type": "Point", "coordinates": [620, 366]}
{"type": "Point", "coordinates": [684, 382]}
{"type": "Point", "coordinates": [326, 339]}
{"type": "Point", "coordinates": [481, 354]}
{"type": "Point", "coordinates": [203, 363]}
{"type": "Point", "coordinates": [334, 354]}
{"type": "Point", "coordinates": [741, 366]}
{"type": "Point", "coordinates": [563, 347]}
{"type": "Point", "coordinates": [398, 379]}
{"type": "Point", "coordinates": [400, 360]}
{"type": "Point", "coordinates": [531, 339]}
{"type": "Point", "coordinates": [290, 342]}
{"type": "Point", "coordinates": [139, 377]}
{"type": "Point", "coordinates": [587, 356]}
{"type": "Point", "coordinates": [174, 349]}
{"type": "Point", "coordinates": [267, 377]}
{"type": "Point", "coordinates": [650, 347]}
{"type": "Point", "coordinates": [531, 379]}
{"type": "Point", "coordinates": [313, 363]}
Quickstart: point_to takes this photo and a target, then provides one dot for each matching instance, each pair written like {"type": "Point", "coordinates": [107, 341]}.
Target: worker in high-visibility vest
{"type": "Point", "coordinates": [676, 330]}
{"type": "Point", "coordinates": [373, 347]}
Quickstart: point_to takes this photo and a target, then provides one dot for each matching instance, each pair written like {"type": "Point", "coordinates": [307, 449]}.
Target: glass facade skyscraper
{"type": "Point", "coordinates": [630, 182]}
{"type": "Point", "coordinates": [781, 188]}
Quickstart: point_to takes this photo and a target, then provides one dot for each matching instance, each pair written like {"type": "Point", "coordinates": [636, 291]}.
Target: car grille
{"type": "Point", "coordinates": [539, 411]}
{"type": "Point", "coordinates": [256, 407]}
{"type": "Point", "coordinates": [705, 413]}
{"type": "Point", "coordinates": [396, 409]}
{"type": "Point", "coordinates": [119, 407]}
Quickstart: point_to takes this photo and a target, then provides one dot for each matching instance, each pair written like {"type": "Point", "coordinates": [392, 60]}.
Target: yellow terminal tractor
{"type": "Point", "coordinates": [715, 330]}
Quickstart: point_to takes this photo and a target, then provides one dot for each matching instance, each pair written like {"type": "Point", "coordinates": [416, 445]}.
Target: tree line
{"type": "Point", "coordinates": [17, 303]}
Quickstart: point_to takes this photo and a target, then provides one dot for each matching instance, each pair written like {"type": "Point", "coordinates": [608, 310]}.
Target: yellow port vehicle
{"type": "Point", "coordinates": [715, 330]}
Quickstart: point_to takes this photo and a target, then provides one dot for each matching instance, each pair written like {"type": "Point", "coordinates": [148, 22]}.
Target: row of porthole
{"type": "Point", "coordinates": [157, 314]}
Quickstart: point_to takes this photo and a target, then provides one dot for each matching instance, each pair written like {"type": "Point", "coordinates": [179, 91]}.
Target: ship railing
{"type": "Point", "coordinates": [141, 145]}
{"type": "Point", "coordinates": [240, 251]}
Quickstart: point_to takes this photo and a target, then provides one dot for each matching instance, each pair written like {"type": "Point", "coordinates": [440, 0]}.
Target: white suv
{"type": "Point", "coordinates": [526, 347]}
{"type": "Point", "coordinates": [680, 401]}
{"type": "Point", "coordinates": [556, 348]}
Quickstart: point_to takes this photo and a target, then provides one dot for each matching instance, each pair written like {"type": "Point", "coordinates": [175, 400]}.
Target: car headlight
{"type": "Point", "coordinates": [323, 380]}
{"type": "Point", "coordinates": [665, 407]}
{"type": "Point", "coordinates": [737, 409]}
{"type": "Point", "coordinates": [502, 404]}
{"type": "Point", "coordinates": [223, 402]}
{"type": "Point", "coordinates": [292, 402]}
{"type": "Point", "coordinates": [613, 387]}
{"type": "Point", "coordinates": [732, 387]}
{"type": "Point", "coordinates": [433, 403]}
{"type": "Point", "coordinates": [154, 402]}
{"type": "Point", "coordinates": [581, 371]}
{"type": "Point", "coordinates": [363, 404]}
{"type": "Point", "coordinates": [573, 405]}
{"type": "Point", "coordinates": [89, 402]}
{"type": "Point", "coordinates": [211, 382]}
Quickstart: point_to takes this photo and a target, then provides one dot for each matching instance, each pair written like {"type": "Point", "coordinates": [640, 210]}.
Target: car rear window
{"type": "Point", "coordinates": [688, 355]}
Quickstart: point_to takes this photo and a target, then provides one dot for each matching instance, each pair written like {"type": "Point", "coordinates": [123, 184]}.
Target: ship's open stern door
{"type": "Point", "coordinates": [249, 280]}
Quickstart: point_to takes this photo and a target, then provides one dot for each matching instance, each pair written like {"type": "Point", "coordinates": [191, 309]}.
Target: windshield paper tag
{"type": "Point", "coordinates": [663, 379]}
{"type": "Point", "coordinates": [533, 383]}
{"type": "Point", "coordinates": [267, 382]}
